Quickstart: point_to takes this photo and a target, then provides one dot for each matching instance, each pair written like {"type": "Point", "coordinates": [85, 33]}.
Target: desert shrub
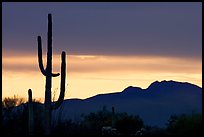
{"type": "Point", "coordinates": [15, 116]}
{"type": "Point", "coordinates": [128, 124]}
{"type": "Point", "coordinates": [185, 124]}
{"type": "Point", "coordinates": [124, 123]}
{"type": "Point", "coordinates": [10, 102]}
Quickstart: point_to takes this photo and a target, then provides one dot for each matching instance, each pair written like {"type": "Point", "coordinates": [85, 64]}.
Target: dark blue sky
{"type": "Point", "coordinates": [170, 29]}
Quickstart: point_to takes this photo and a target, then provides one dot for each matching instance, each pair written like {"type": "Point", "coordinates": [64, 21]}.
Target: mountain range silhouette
{"type": "Point", "coordinates": [154, 105]}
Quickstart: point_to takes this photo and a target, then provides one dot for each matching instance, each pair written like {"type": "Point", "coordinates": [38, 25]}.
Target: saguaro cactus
{"type": "Point", "coordinates": [113, 117]}
{"type": "Point", "coordinates": [47, 72]}
{"type": "Point", "coordinates": [30, 113]}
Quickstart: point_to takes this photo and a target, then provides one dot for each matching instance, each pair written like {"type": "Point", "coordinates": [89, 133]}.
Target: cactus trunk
{"type": "Point", "coordinates": [48, 78]}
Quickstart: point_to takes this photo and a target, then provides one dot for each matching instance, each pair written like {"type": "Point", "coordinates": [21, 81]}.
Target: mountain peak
{"type": "Point", "coordinates": [157, 83]}
{"type": "Point", "coordinates": [131, 88]}
{"type": "Point", "coordinates": [164, 85]}
{"type": "Point", "coordinates": [170, 85]}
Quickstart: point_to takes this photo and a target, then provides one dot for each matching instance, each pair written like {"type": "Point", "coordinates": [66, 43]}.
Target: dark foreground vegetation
{"type": "Point", "coordinates": [99, 123]}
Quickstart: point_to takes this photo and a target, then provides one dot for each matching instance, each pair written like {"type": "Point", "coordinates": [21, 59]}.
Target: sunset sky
{"type": "Point", "coordinates": [109, 46]}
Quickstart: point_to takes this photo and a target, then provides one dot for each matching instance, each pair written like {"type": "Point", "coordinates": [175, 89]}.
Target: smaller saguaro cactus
{"type": "Point", "coordinates": [113, 117]}
{"type": "Point", "coordinates": [30, 113]}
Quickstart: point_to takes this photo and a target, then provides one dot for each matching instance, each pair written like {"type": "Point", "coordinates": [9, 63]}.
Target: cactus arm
{"type": "Point", "coordinates": [55, 75]}
{"type": "Point", "coordinates": [30, 115]}
{"type": "Point", "coordinates": [63, 77]}
{"type": "Point", "coordinates": [40, 59]}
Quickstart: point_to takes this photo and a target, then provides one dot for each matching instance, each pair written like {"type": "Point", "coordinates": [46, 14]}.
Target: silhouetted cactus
{"type": "Point", "coordinates": [30, 113]}
{"type": "Point", "coordinates": [48, 73]}
{"type": "Point", "coordinates": [113, 117]}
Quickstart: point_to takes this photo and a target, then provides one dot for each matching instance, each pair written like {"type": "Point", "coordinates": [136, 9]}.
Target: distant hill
{"type": "Point", "coordinates": [154, 104]}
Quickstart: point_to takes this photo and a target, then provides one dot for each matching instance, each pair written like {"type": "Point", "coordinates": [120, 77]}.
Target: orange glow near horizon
{"type": "Point", "coordinates": [88, 75]}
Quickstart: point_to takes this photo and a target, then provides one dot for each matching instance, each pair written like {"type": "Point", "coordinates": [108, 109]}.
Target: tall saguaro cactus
{"type": "Point", "coordinates": [47, 72]}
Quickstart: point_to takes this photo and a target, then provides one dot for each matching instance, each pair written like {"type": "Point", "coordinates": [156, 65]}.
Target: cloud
{"type": "Point", "coordinates": [144, 29]}
{"type": "Point", "coordinates": [84, 64]}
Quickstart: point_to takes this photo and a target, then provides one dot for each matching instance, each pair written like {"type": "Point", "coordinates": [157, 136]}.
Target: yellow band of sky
{"type": "Point", "coordinates": [88, 75]}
